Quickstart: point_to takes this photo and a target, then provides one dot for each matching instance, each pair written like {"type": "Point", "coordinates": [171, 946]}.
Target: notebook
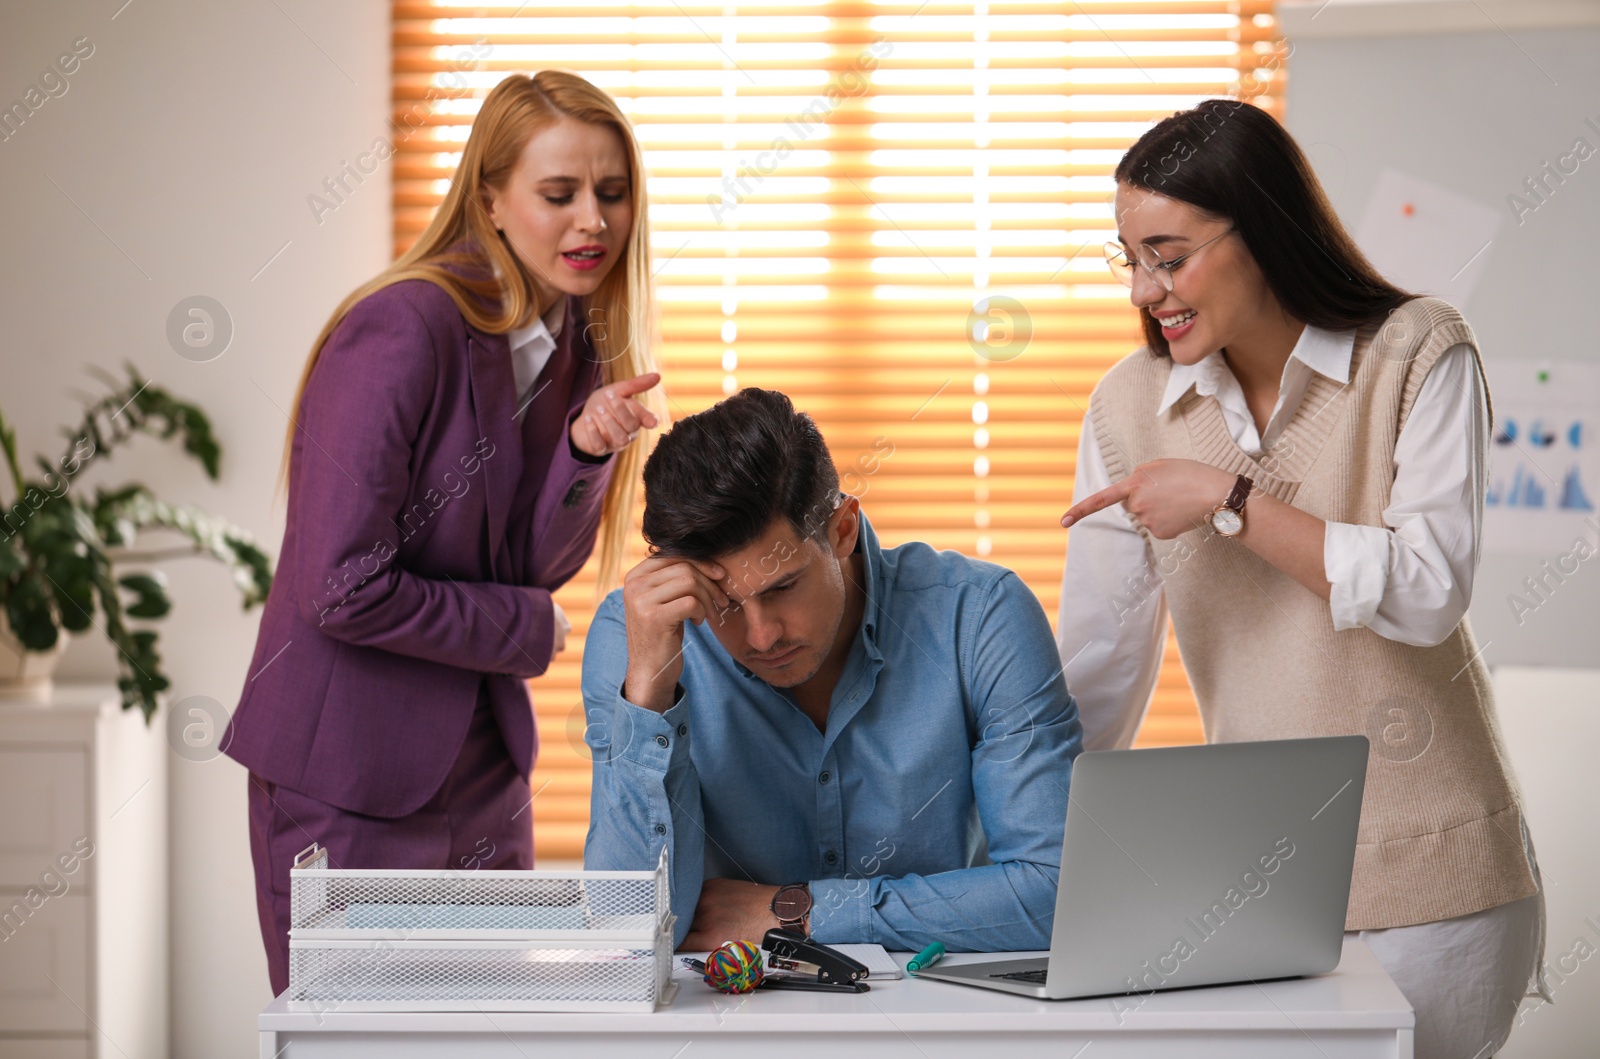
{"type": "Point", "coordinates": [880, 964]}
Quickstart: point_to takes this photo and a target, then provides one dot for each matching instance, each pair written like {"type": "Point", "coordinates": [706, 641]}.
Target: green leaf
{"type": "Point", "coordinates": [143, 584]}
{"type": "Point", "coordinates": [149, 607]}
{"type": "Point", "coordinates": [8, 442]}
{"type": "Point", "coordinates": [153, 601]}
{"type": "Point", "coordinates": [10, 561]}
{"type": "Point", "coordinates": [55, 570]}
{"type": "Point", "coordinates": [72, 579]}
{"type": "Point", "coordinates": [28, 611]}
{"type": "Point", "coordinates": [103, 499]}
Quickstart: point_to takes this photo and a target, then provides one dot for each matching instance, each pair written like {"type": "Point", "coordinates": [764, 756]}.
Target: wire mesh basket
{"type": "Point", "coordinates": [366, 939]}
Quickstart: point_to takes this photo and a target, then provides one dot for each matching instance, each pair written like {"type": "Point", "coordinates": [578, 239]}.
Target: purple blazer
{"type": "Point", "coordinates": [426, 530]}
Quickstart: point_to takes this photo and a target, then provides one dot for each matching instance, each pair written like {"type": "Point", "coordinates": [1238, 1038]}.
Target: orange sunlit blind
{"type": "Point", "coordinates": [892, 212]}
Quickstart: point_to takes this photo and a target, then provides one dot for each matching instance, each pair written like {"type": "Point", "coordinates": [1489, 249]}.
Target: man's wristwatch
{"type": "Point", "coordinates": [792, 905]}
{"type": "Point", "coordinates": [1227, 518]}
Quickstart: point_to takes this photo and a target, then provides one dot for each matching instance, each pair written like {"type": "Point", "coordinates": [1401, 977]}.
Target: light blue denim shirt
{"type": "Point", "coordinates": [932, 807]}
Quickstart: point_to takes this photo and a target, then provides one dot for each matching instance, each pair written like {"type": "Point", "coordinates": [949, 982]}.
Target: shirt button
{"type": "Point", "coordinates": [661, 829]}
{"type": "Point", "coordinates": [661, 740]}
{"type": "Point", "coordinates": [683, 730]}
{"type": "Point", "coordinates": [832, 857]}
{"type": "Point", "coordinates": [825, 777]}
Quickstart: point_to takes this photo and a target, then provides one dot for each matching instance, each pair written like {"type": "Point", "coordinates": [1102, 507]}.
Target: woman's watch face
{"type": "Point", "coordinates": [1227, 521]}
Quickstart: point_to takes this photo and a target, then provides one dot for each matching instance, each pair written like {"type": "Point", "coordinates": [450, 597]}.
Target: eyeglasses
{"type": "Point", "coordinates": [1160, 269]}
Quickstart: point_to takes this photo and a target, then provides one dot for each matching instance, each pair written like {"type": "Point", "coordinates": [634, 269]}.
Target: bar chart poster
{"type": "Point", "coordinates": [1544, 456]}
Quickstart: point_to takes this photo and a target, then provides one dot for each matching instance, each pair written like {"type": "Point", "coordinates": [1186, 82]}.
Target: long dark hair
{"type": "Point", "coordinates": [1233, 161]}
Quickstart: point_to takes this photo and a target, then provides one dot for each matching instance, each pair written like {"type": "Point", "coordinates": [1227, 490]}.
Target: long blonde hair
{"type": "Point", "coordinates": [513, 112]}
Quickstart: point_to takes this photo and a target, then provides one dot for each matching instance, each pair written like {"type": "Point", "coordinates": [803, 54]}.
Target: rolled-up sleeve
{"type": "Point", "coordinates": [1410, 579]}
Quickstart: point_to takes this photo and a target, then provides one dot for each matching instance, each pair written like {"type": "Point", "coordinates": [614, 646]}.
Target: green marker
{"type": "Point", "coordinates": [926, 958]}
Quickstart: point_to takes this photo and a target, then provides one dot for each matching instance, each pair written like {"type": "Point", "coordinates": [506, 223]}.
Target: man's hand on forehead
{"type": "Point", "coordinates": [659, 596]}
{"type": "Point", "coordinates": [706, 572]}
{"type": "Point", "coordinates": [721, 582]}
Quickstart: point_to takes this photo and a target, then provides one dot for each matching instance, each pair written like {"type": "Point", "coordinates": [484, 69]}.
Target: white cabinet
{"type": "Point", "coordinates": [1552, 728]}
{"type": "Point", "coordinates": [83, 878]}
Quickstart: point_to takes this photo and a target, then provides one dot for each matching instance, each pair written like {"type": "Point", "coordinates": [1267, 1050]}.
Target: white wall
{"type": "Point", "coordinates": [1551, 719]}
{"type": "Point", "coordinates": [177, 163]}
{"type": "Point", "coordinates": [1476, 105]}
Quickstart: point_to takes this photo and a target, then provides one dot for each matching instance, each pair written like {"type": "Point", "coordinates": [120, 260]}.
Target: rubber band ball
{"type": "Point", "coordinates": [735, 967]}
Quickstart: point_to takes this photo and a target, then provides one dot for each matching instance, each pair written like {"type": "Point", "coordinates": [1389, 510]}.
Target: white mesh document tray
{"type": "Point", "coordinates": [389, 940]}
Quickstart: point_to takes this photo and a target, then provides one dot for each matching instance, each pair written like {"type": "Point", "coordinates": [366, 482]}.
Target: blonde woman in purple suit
{"type": "Point", "coordinates": [467, 424]}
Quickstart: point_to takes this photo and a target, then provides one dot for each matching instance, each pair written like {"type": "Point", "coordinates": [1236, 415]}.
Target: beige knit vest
{"type": "Point", "coordinates": [1441, 818]}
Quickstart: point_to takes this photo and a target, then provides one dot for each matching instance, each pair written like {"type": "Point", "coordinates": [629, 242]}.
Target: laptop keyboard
{"type": "Point", "coordinates": [1035, 977]}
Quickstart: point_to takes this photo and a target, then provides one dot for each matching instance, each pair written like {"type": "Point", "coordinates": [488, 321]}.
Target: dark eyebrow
{"type": "Point", "coordinates": [1157, 240]}
{"type": "Point", "coordinates": [788, 579]}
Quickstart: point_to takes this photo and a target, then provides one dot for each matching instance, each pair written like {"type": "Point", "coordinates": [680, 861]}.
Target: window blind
{"type": "Point", "coordinates": [893, 212]}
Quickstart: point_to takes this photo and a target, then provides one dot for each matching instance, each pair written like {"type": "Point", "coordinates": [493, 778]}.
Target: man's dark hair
{"type": "Point", "coordinates": [718, 478]}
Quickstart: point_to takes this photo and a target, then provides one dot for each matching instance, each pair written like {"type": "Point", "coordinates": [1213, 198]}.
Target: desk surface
{"type": "Point", "coordinates": [1354, 1011]}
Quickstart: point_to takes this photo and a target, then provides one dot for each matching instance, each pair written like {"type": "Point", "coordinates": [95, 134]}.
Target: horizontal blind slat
{"type": "Point", "coordinates": [971, 160]}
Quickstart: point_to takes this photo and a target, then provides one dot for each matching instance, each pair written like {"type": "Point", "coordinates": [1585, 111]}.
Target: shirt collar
{"type": "Point", "coordinates": [546, 328]}
{"type": "Point", "coordinates": [1324, 352]}
{"type": "Point", "coordinates": [873, 574]}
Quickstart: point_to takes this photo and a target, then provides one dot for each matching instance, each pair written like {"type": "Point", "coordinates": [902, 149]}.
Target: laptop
{"type": "Point", "coordinates": [1196, 865]}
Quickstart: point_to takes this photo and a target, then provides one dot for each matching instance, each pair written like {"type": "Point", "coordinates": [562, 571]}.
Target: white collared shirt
{"type": "Point", "coordinates": [1318, 351]}
{"type": "Point", "coordinates": [531, 347]}
{"type": "Point", "coordinates": [1409, 580]}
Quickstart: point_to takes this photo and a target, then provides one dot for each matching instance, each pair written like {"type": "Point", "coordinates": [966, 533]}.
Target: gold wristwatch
{"type": "Point", "coordinates": [1227, 518]}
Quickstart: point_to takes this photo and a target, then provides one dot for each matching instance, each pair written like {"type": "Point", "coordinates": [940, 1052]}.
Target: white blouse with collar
{"type": "Point", "coordinates": [531, 347]}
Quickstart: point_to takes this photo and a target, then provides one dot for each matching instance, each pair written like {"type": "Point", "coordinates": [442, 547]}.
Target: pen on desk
{"type": "Point", "coordinates": [694, 964]}
{"type": "Point", "coordinates": [926, 958]}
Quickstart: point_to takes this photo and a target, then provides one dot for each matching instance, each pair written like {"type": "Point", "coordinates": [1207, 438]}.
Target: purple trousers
{"type": "Point", "coordinates": [480, 817]}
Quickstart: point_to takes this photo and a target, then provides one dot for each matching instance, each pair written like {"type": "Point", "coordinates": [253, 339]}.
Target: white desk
{"type": "Point", "coordinates": [1355, 1011]}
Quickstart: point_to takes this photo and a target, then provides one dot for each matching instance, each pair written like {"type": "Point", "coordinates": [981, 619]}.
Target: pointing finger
{"type": "Point", "coordinates": [637, 384]}
{"type": "Point", "coordinates": [1114, 494]}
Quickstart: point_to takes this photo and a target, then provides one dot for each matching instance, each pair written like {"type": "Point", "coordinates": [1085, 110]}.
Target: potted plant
{"type": "Point", "coordinates": [68, 561]}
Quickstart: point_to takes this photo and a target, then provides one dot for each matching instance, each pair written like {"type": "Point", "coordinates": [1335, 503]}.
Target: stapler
{"type": "Point", "coordinates": [817, 966]}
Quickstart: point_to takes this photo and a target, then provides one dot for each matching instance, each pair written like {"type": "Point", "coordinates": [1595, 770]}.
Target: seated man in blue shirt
{"type": "Point", "coordinates": [882, 734]}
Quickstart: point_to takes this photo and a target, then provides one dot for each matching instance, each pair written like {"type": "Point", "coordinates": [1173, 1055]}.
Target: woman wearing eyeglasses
{"type": "Point", "coordinates": [1293, 466]}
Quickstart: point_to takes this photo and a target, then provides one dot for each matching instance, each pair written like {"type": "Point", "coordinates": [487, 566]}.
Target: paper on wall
{"type": "Point", "coordinates": [1425, 238]}
{"type": "Point", "coordinates": [1544, 457]}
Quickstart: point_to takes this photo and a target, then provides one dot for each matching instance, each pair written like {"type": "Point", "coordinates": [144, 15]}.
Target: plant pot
{"type": "Point", "coordinates": [26, 674]}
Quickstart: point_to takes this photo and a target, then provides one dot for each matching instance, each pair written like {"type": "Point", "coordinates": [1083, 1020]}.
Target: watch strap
{"type": "Point", "coordinates": [1240, 493]}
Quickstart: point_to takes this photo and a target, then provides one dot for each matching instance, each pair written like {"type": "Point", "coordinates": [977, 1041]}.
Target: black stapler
{"type": "Point", "coordinates": [818, 967]}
